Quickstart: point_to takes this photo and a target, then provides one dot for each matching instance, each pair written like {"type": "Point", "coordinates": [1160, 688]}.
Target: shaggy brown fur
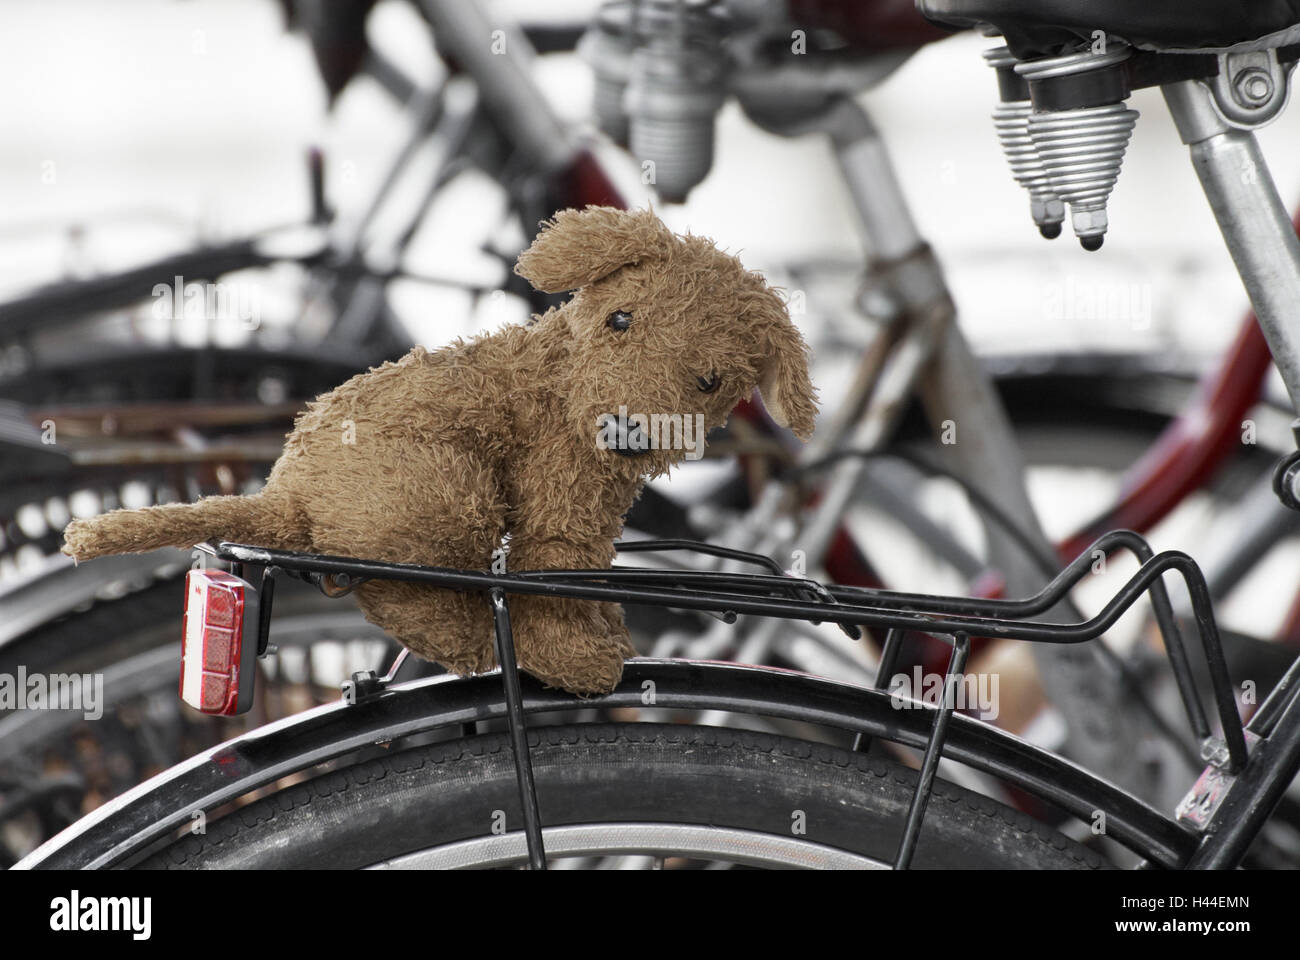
{"type": "Point", "coordinates": [432, 459]}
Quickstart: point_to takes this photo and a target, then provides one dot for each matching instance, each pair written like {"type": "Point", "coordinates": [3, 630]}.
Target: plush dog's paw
{"type": "Point", "coordinates": [616, 629]}
{"type": "Point", "coordinates": [586, 667]}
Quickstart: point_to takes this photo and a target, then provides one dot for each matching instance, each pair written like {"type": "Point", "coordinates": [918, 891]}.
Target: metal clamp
{"type": "Point", "coordinates": [1286, 474]}
{"type": "Point", "coordinates": [1286, 481]}
{"type": "Point", "coordinates": [1252, 87]}
{"type": "Point", "coordinates": [1202, 802]}
{"type": "Point", "coordinates": [364, 685]}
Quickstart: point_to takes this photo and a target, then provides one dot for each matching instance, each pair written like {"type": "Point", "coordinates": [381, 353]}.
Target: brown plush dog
{"type": "Point", "coordinates": [545, 431]}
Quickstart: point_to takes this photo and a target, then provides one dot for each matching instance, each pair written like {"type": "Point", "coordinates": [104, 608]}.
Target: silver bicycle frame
{"type": "Point", "coordinates": [1255, 224]}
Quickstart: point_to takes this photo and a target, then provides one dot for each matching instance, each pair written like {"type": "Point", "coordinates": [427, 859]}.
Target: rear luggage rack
{"type": "Point", "coordinates": [775, 593]}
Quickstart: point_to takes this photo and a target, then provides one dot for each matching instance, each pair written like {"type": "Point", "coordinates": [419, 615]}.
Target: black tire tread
{"type": "Point", "coordinates": [989, 834]}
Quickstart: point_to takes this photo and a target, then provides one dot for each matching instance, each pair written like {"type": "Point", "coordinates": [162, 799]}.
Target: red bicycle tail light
{"type": "Point", "coordinates": [218, 643]}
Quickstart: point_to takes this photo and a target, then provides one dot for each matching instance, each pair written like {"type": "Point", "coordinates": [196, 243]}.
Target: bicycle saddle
{"type": "Point", "coordinates": [1035, 28]}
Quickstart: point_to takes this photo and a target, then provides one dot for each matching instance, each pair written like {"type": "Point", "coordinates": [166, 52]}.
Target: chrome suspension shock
{"type": "Point", "coordinates": [661, 71]}
{"type": "Point", "coordinates": [1081, 128]}
{"type": "Point", "coordinates": [1011, 121]}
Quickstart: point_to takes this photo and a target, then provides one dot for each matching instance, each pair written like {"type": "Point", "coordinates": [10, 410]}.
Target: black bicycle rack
{"type": "Point", "coordinates": [776, 593]}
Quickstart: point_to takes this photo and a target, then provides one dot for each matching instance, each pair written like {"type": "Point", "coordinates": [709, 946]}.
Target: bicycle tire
{"type": "Point", "coordinates": [435, 797]}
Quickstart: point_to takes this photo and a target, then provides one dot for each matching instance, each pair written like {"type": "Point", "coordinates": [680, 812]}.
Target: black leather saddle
{"type": "Point", "coordinates": [1035, 28]}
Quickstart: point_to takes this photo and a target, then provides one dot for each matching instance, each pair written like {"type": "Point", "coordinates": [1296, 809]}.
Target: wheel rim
{"type": "Point", "coordinates": [652, 840]}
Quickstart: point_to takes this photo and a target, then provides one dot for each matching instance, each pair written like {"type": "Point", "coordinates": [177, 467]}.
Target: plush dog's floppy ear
{"type": "Point", "coordinates": [783, 381]}
{"type": "Point", "coordinates": [579, 247]}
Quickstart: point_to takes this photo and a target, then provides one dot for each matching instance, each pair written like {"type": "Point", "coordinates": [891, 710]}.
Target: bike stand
{"type": "Point", "coordinates": [505, 643]}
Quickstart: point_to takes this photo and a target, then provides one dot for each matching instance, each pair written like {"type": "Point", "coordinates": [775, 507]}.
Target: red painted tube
{"type": "Point", "coordinates": [1191, 448]}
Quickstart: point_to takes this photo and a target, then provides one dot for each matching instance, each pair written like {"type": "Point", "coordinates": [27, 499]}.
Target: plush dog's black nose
{"type": "Point", "coordinates": [628, 439]}
{"type": "Point", "coordinates": [633, 441]}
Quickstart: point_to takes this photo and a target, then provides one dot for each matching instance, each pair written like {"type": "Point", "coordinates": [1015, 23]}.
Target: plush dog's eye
{"type": "Point", "coordinates": [619, 320]}
{"type": "Point", "coordinates": [708, 384]}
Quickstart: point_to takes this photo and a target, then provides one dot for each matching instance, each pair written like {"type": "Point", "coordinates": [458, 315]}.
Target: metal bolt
{"type": "Point", "coordinates": [1254, 87]}
{"type": "Point", "coordinates": [1215, 752]}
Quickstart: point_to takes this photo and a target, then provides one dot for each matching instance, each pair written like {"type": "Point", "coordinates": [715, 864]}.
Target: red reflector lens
{"type": "Point", "coordinates": [215, 691]}
{"type": "Point", "coordinates": [216, 649]}
{"type": "Point", "coordinates": [220, 608]}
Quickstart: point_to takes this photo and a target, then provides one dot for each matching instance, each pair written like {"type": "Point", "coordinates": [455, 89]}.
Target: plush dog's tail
{"type": "Point", "coordinates": [240, 519]}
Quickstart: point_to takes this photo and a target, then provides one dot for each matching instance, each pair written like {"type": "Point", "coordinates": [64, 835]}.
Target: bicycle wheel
{"type": "Point", "coordinates": [690, 793]}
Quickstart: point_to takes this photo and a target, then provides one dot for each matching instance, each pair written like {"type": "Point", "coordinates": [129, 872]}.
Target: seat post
{"type": "Point", "coordinates": [1255, 224]}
